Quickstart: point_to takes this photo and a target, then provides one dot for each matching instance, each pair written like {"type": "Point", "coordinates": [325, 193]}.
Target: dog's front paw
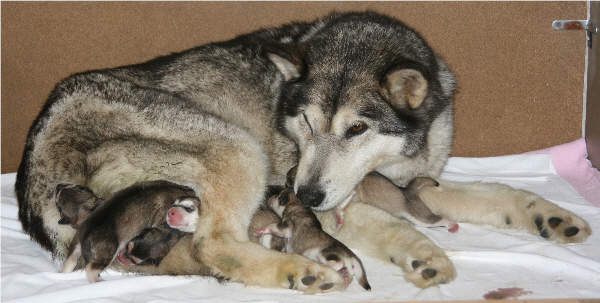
{"type": "Point", "coordinates": [311, 277]}
{"type": "Point", "coordinates": [554, 223]}
{"type": "Point", "coordinates": [426, 266]}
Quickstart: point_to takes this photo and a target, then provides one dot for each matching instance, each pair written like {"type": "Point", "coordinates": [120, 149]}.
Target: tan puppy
{"type": "Point", "coordinates": [402, 202]}
{"type": "Point", "coordinates": [405, 202]}
{"type": "Point", "coordinates": [261, 219]}
{"type": "Point", "coordinates": [303, 235]}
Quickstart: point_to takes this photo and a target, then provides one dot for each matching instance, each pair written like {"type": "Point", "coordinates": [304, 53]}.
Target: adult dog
{"type": "Point", "coordinates": [340, 97]}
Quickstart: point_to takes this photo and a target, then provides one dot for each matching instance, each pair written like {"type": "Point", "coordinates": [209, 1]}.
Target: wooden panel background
{"type": "Point", "coordinates": [521, 82]}
{"type": "Point", "coordinates": [592, 122]}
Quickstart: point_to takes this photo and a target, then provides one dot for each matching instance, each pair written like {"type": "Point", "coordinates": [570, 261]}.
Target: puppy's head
{"type": "Point", "coordinates": [284, 202]}
{"type": "Point", "coordinates": [184, 214]}
{"type": "Point", "coordinates": [75, 203]}
{"type": "Point", "coordinates": [147, 248]}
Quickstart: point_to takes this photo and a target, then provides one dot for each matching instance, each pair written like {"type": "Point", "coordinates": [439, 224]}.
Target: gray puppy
{"type": "Point", "coordinates": [304, 235]}
{"type": "Point", "coordinates": [120, 218]}
{"type": "Point", "coordinates": [75, 203]}
{"type": "Point", "coordinates": [403, 202]}
{"type": "Point", "coordinates": [150, 246]}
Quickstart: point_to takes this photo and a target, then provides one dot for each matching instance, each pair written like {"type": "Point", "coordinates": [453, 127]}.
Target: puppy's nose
{"type": "Point", "coordinates": [310, 195]}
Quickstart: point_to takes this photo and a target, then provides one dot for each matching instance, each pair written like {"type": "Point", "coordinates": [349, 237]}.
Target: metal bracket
{"type": "Point", "coordinates": [577, 25]}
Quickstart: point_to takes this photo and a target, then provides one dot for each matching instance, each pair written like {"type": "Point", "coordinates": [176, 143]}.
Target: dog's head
{"type": "Point", "coordinates": [359, 94]}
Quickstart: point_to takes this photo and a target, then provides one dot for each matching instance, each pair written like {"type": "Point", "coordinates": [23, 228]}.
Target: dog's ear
{"type": "Point", "coordinates": [406, 85]}
{"type": "Point", "coordinates": [288, 58]}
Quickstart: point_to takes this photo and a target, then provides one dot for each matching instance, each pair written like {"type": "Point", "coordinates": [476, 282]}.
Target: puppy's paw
{"type": "Point", "coordinates": [426, 266]}
{"type": "Point", "coordinates": [554, 223]}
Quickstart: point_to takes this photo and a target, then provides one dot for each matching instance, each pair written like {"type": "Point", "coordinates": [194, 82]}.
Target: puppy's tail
{"type": "Point", "coordinates": [359, 272]}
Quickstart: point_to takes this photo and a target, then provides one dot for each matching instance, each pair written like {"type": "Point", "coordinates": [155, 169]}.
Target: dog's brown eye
{"type": "Point", "coordinates": [356, 129]}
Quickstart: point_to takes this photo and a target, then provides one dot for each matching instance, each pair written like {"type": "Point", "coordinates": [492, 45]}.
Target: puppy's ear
{"type": "Point", "coordinates": [405, 85]}
{"type": "Point", "coordinates": [288, 58]}
{"type": "Point", "coordinates": [291, 177]}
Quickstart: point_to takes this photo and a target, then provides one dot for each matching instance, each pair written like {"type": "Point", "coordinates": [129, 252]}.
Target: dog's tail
{"type": "Point", "coordinates": [359, 272]}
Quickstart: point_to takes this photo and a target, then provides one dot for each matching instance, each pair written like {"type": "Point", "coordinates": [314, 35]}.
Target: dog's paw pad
{"type": "Point", "coordinates": [428, 273]}
{"type": "Point", "coordinates": [326, 286]}
{"type": "Point", "coordinates": [308, 280]}
{"type": "Point", "coordinates": [431, 271]}
{"type": "Point", "coordinates": [557, 224]}
{"type": "Point", "coordinates": [415, 264]}
{"type": "Point", "coordinates": [425, 272]}
{"type": "Point", "coordinates": [571, 231]}
{"type": "Point", "coordinates": [315, 278]}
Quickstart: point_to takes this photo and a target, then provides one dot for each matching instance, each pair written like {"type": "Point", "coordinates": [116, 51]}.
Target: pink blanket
{"type": "Point", "coordinates": [571, 163]}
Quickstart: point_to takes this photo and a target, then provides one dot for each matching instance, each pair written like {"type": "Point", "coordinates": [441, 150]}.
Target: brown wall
{"type": "Point", "coordinates": [521, 82]}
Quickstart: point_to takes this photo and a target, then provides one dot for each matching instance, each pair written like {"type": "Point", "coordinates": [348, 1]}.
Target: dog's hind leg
{"type": "Point", "coordinates": [377, 233]}
{"type": "Point", "coordinates": [502, 206]}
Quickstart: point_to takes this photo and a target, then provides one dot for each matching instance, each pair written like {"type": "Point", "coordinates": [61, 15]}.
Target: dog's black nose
{"type": "Point", "coordinates": [310, 195]}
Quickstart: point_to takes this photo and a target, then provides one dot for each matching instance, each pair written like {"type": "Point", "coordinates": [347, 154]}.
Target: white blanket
{"type": "Point", "coordinates": [489, 262]}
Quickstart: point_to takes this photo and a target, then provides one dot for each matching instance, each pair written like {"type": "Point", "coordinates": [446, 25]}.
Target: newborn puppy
{"type": "Point", "coordinates": [261, 219]}
{"type": "Point", "coordinates": [377, 190]}
{"type": "Point", "coordinates": [119, 219]}
{"type": "Point", "coordinates": [150, 246]}
{"type": "Point", "coordinates": [303, 235]}
{"type": "Point", "coordinates": [153, 244]}
{"type": "Point", "coordinates": [75, 203]}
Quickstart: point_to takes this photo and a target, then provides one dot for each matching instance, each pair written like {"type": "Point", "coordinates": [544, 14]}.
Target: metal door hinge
{"type": "Point", "coordinates": [577, 25]}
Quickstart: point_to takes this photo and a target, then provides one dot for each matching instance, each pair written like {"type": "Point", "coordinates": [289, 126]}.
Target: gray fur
{"type": "Point", "coordinates": [162, 115]}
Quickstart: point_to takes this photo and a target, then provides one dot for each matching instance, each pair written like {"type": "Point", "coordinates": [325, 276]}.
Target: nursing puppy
{"type": "Point", "coordinates": [122, 217]}
{"type": "Point", "coordinates": [261, 219]}
{"type": "Point", "coordinates": [153, 244]}
{"type": "Point", "coordinates": [304, 235]}
{"type": "Point", "coordinates": [75, 203]}
{"type": "Point", "coordinates": [150, 246]}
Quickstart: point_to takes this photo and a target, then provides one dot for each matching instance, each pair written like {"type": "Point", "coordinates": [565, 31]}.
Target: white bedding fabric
{"type": "Point", "coordinates": [486, 259]}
